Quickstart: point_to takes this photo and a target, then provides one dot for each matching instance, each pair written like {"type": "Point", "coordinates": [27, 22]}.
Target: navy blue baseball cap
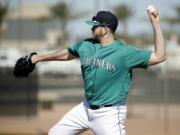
{"type": "Point", "coordinates": [104, 18]}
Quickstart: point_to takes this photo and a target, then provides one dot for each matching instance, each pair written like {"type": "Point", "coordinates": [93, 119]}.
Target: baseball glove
{"type": "Point", "coordinates": [24, 66]}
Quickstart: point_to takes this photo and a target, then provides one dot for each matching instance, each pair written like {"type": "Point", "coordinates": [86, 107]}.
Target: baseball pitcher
{"type": "Point", "coordinates": [106, 65]}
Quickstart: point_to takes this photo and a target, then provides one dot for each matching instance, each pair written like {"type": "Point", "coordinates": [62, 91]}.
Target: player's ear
{"type": "Point", "coordinates": [105, 30]}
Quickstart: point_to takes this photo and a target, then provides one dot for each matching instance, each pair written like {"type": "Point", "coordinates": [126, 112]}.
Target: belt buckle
{"type": "Point", "coordinates": [101, 106]}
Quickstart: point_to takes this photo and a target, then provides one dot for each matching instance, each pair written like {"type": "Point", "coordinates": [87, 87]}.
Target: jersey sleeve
{"type": "Point", "coordinates": [137, 58]}
{"type": "Point", "coordinates": [74, 50]}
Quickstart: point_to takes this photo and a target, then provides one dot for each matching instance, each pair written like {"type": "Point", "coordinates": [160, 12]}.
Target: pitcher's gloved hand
{"type": "Point", "coordinates": [24, 66]}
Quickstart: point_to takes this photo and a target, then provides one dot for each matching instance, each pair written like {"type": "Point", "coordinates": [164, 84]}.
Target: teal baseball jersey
{"type": "Point", "coordinates": [107, 70]}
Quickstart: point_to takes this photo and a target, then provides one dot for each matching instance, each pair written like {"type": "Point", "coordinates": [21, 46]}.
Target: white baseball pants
{"type": "Point", "coordinates": [103, 121]}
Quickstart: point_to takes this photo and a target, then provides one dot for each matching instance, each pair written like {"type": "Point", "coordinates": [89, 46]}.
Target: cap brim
{"type": "Point", "coordinates": [92, 23]}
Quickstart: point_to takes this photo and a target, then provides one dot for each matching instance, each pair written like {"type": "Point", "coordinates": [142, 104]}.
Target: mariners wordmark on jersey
{"type": "Point", "coordinates": [102, 63]}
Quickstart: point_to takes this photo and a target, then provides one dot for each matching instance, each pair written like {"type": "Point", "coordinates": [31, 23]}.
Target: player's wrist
{"type": "Point", "coordinates": [155, 23]}
{"type": "Point", "coordinates": [156, 26]}
{"type": "Point", "coordinates": [35, 59]}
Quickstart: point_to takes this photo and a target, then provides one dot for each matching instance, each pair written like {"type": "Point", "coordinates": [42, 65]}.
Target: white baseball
{"type": "Point", "coordinates": [151, 8]}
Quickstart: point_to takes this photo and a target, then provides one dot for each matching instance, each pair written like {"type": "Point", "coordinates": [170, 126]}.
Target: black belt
{"type": "Point", "coordinates": [95, 107]}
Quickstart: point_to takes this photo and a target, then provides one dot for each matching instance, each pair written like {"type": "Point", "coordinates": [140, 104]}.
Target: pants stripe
{"type": "Point", "coordinates": [119, 120]}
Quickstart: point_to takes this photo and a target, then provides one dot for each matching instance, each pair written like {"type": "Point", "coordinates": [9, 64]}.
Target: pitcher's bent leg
{"type": "Point", "coordinates": [73, 123]}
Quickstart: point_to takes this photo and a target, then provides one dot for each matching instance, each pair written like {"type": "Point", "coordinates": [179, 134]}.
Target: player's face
{"type": "Point", "coordinates": [97, 32]}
